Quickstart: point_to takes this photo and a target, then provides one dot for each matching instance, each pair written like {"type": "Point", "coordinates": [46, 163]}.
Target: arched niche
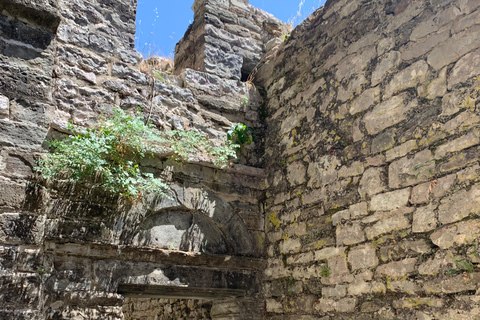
{"type": "Point", "coordinates": [194, 220]}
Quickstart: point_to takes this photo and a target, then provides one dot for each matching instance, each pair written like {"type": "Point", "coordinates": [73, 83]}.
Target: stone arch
{"type": "Point", "coordinates": [195, 219]}
{"type": "Point", "coordinates": [184, 230]}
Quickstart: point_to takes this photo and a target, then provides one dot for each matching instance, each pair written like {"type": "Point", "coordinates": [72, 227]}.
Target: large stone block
{"type": "Point", "coordinates": [459, 205]}
{"type": "Point", "coordinates": [409, 171]}
{"type": "Point", "coordinates": [454, 48]}
{"type": "Point", "coordinates": [12, 194]}
{"type": "Point", "coordinates": [470, 139]}
{"type": "Point", "coordinates": [387, 225]}
{"type": "Point", "coordinates": [397, 269]}
{"type": "Point", "coordinates": [387, 114]}
{"type": "Point", "coordinates": [408, 78]}
{"type": "Point", "coordinates": [464, 69]}
{"type": "Point", "coordinates": [350, 234]}
{"type": "Point", "coordinates": [20, 291]}
{"type": "Point", "coordinates": [21, 228]}
{"type": "Point", "coordinates": [457, 234]}
{"type": "Point", "coordinates": [296, 173]}
{"type": "Point", "coordinates": [424, 219]}
{"type": "Point", "coordinates": [390, 200]}
{"type": "Point", "coordinates": [404, 249]}
{"type": "Point", "coordinates": [21, 134]}
{"type": "Point", "coordinates": [373, 182]}
{"type": "Point", "coordinates": [363, 257]}
{"type": "Point", "coordinates": [421, 47]}
{"type": "Point", "coordinates": [454, 284]}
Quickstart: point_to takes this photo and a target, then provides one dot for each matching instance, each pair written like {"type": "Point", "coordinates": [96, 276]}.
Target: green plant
{"type": "Point", "coordinates": [240, 135]}
{"type": "Point", "coordinates": [461, 265]}
{"type": "Point", "coordinates": [285, 37]}
{"type": "Point", "coordinates": [245, 101]}
{"type": "Point", "coordinates": [204, 246]}
{"type": "Point", "coordinates": [160, 76]}
{"type": "Point", "coordinates": [325, 272]}
{"type": "Point", "coordinates": [109, 156]}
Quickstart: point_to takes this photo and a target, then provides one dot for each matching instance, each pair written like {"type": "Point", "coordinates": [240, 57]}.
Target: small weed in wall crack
{"type": "Point", "coordinates": [325, 272]}
{"type": "Point", "coordinates": [461, 265]}
{"type": "Point", "coordinates": [240, 135]}
{"type": "Point", "coordinates": [109, 156]}
{"type": "Point", "coordinates": [245, 102]}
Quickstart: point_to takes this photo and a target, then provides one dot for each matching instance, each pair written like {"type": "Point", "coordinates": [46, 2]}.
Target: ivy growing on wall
{"type": "Point", "coordinates": [110, 155]}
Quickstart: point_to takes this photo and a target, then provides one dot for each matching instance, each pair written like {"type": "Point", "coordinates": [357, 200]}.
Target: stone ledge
{"type": "Point", "coordinates": [164, 257]}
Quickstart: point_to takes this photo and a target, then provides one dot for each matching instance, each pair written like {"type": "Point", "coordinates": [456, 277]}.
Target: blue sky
{"type": "Point", "coordinates": [161, 24]}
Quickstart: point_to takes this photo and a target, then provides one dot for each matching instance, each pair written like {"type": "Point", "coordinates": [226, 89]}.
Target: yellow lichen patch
{"type": "Point", "coordinates": [469, 103]}
{"type": "Point", "coordinates": [260, 239]}
{"type": "Point", "coordinates": [415, 303]}
{"type": "Point", "coordinates": [292, 158]}
{"type": "Point", "coordinates": [319, 244]}
{"type": "Point", "coordinates": [274, 220]}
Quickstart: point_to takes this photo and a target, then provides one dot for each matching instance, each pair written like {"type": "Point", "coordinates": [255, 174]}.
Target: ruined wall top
{"type": "Point", "coordinates": [227, 38]}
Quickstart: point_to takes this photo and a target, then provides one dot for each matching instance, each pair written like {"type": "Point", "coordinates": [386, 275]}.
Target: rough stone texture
{"type": "Point", "coordinates": [224, 38]}
{"type": "Point", "coordinates": [73, 62]}
{"type": "Point", "coordinates": [398, 101]}
{"type": "Point", "coordinates": [449, 211]}
{"type": "Point", "coordinates": [386, 114]}
{"type": "Point", "coordinates": [391, 200]}
{"type": "Point", "coordinates": [367, 126]}
{"type": "Point", "coordinates": [168, 309]}
{"type": "Point", "coordinates": [363, 257]}
{"type": "Point", "coordinates": [408, 78]}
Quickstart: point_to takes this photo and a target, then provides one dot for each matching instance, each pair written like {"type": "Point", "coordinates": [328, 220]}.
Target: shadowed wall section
{"type": "Point", "coordinates": [358, 199]}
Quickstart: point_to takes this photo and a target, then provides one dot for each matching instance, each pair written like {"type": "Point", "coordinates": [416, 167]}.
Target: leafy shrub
{"type": "Point", "coordinates": [110, 155]}
{"type": "Point", "coordinates": [240, 135]}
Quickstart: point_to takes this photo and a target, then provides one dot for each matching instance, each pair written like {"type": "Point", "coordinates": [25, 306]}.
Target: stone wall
{"type": "Point", "coordinates": [227, 38]}
{"type": "Point", "coordinates": [373, 144]}
{"type": "Point", "coordinates": [68, 250]}
{"type": "Point", "coordinates": [370, 143]}
{"type": "Point", "coordinates": [166, 309]}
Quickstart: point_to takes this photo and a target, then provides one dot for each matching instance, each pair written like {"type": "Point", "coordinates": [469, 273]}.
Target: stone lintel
{"type": "Point", "coordinates": [153, 255]}
{"type": "Point", "coordinates": [173, 292]}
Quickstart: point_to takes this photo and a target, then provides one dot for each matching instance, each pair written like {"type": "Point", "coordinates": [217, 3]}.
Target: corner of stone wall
{"type": "Point", "coordinates": [227, 38]}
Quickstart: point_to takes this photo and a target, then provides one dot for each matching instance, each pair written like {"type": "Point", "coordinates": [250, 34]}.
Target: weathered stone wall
{"type": "Point", "coordinates": [371, 149]}
{"type": "Point", "coordinates": [166, 309]}
{"type": "Point", "coordinates": [227, 38]}
{"type": "Point", "coordinates": [372, 207]}
{"type": "Point", "coordinates": [70, 251]}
